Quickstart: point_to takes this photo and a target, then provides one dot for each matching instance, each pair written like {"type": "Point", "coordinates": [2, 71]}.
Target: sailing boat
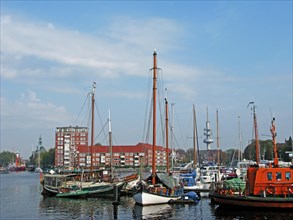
{"type": "Point", "coordinates": [267, 185]}
{"type": "Point", "coordinates": [191, 180]}
{"type": "Point", "coordinates": [95, 186]}
{"type": "Point", "coordinates": [169, 189]}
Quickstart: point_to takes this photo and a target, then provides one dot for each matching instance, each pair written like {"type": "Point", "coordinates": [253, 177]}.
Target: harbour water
{"type": "Point", "coordinates": [20, 198]}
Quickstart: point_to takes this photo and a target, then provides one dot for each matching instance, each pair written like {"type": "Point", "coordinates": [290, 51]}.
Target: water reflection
{"type": "Point", "coordinates": [62, 208]}
{"type": "Point", "coordinates": [152, 212]}
{"type": "Point", "coordinates": [241, 213]}
{"type": "Point", "coordinates": [20, 198]}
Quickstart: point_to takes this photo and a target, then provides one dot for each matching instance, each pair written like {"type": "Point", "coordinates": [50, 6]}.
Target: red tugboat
{"type": "Point", "coordinates": [267, 186]}
{"type": "Point", "coordinates": [18, 166]}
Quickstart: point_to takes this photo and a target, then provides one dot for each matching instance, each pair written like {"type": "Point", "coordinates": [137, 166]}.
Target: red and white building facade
{"type": "Point", "coordinates": [72, 150]}
{"type": "Point", "coordinates": [67, 142]}
{"type": "Point", "coordinates": [121, 155]}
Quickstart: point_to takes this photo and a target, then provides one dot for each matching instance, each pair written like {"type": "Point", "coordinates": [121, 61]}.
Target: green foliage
{"type": "Point", "coordinates": [266, 150]}
{"type": "Point", "coordinates": [48, 158]}
{"type": "Point", "coordinates": [6, 157]}
{"type": "Point", "coordinates": [189, 155]}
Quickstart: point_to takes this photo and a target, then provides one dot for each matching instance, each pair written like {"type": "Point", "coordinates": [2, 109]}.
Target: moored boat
{"type": "Point", "coordinates": [97, 183]}
{"type": "Point", "coordinates": [18, 165]}
{"type": "Point", "coordinates": [4, 170]}
{"type": "Point", "coordinates": [267, 186]}
{"type": "Point", "coordinates": [72, 192]}
{"type": "Point", "coordinates": [164, 187]}
{"type": "Point", "coordinates": [53, 184]}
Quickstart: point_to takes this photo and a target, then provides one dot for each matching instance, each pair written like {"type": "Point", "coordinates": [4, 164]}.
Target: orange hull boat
{"type": "Point", "coordinates": [267, 186]}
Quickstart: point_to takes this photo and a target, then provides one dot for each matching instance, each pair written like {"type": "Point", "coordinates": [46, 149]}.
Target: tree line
{"type": "Point", "coordinates": [266, 150]}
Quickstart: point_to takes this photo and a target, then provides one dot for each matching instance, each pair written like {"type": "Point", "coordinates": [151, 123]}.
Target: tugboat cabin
{"type": "Point", "coordinates": [268, 181]}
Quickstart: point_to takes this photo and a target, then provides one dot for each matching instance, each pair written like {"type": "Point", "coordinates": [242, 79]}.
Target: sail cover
{"type": "Point", "coordinates": [167, 180]}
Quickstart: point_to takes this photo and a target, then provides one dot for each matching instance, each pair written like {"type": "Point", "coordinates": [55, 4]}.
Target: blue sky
{"type": "Point", "coordinates": [216, 54]}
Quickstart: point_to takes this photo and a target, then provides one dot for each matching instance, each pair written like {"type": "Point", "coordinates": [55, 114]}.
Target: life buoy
{"type": "Point", "coordinates": [271, 190]}
{"type": "Point", "coordinates": [290, 189]}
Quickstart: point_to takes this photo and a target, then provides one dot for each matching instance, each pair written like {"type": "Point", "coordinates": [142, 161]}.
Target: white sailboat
{"type": "Point", "coordinates": [191, 180]}
{"type": "Point", "coordinates": [168, 189]}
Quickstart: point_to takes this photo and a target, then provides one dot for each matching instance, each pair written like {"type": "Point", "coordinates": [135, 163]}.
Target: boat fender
{"type": "Point", "coordinates": [222, 191]}
{"type": "Point", "coordinates": [240, 191]}
{"type": "Point", "coordinates": [231, 192]}
{"type": "Point", "coordinates": [271, 190]}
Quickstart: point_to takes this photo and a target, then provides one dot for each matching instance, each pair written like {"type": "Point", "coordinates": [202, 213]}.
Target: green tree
{"type": "Point", "coordinates": [189, 155]}
{"type": "Point", "coordinates": [249, 151]}
{"type": "Point", "coordinates": [288, 147]}
{"type": "Point", "coordinates": [48, 158]}
{"type": "Point", "coordinates": [6, 157]}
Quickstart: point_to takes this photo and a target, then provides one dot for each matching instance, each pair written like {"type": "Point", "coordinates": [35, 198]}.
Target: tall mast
{"type": "Point", "coordinates": [218, 139]}
{"type": "Point", "coordinates": [197, 142]}
{"type": "Point", "coordinates": [172, 133]}
{"type": "Point", "coordinates": [240, 141]}
{"type": "Point", "coordinates": [154, 118]}
{"type": "Point", "coordinates": [167, 134]}
{"type": "Point", "coordinates": [255, 133]}
{"type": "Point", "coordinates": [92, 131]}
{"type": "Point", "coordinates": [110, 145]}
{"type": "Point", "coordinates": [274, 134]}
{"type": "Point", "coordinates": [194, 138]}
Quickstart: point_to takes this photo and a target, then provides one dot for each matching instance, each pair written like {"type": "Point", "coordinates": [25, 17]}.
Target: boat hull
{"type": "Point", "coordinates": [252, 201]}
{"type": "Point", "coordinates": [73, 194]}
{"type": "Point", "coordinates": [92, 190]}
{"type": "Point", "coordinates": [147, 198]}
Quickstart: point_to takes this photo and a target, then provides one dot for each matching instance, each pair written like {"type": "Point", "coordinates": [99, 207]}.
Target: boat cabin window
{"type": "Point", "coordinates": [278, 175]}
{"type": "Point", "coordinates": [270, 175]}
{"type": "Point", "coordinates": [288, 175]}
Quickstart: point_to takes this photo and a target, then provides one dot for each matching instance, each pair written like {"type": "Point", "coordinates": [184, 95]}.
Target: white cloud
{"type": "Point", "coordinates": [54, 59]}
{"type": "Point", "coordinates": [146, 34]}
{"type": "Point", "coordinates": [30, 112]}
{"type": "Point", "coordinates": [122, 51]}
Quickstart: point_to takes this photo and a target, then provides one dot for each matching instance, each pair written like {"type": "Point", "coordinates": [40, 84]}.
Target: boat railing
{"type": "Point", "coordinates": [274, 190]}
{"type": "Point", "coordinates": [283, 190]}
{"type": "Point", "coordinates": [225, 188]}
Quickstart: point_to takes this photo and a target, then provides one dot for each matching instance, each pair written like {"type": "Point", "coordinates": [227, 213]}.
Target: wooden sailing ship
{"type": "Point", "coordinates": [267, 185]}
{"type": "Point", "coordinates": [74, 184]}
{"type": "Point", "coordinates": [163, 188]}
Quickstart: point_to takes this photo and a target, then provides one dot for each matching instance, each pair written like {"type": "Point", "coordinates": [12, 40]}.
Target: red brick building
{"type": "Point", "coordinates": [67, 140]}
{"type": "Point", "coordinates": [122, 155]}
{"type": "Point", "coordinates": [72, 149]}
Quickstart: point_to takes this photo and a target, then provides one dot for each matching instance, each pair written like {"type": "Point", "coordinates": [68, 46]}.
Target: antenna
{"type": "Point", "coordinates": [208, 133]}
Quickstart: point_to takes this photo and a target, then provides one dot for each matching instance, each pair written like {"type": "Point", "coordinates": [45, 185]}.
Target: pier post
{"type": "Point", "coordinates": [116, 201]}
